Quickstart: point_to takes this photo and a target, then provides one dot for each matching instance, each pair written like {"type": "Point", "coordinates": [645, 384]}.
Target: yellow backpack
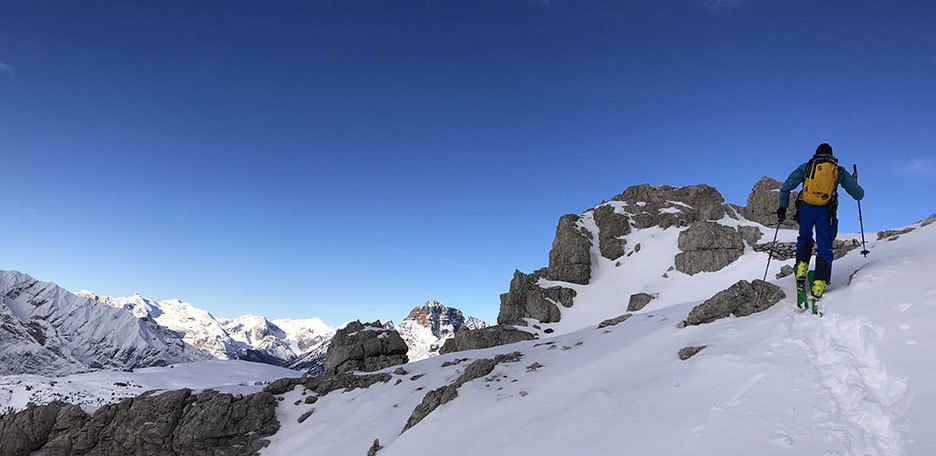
{"type": "Point", "coordinates": [820, 182]}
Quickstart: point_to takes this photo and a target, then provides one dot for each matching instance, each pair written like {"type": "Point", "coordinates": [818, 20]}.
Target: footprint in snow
{"type": "Point", "coordinates": [905, 327]}
{"type": "Point", "coordinates": [903, 307]}
{"type": "Point", "coordinates": [911, 342]}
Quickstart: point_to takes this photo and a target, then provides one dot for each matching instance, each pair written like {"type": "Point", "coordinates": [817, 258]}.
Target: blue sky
{"type": "Point", "coordinates": [354, 159]}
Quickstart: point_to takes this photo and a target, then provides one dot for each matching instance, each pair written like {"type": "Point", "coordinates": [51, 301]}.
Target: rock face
{"type": "Point", "coordinates": [174, 422]}
{"type": "Point", "coordinates": [665, 206]}
{"type": "Point", "coordinates": [364, 347]}
{"type": "Point", "coordinates": [526, 299]}
{"type": "Point", "coordinates": [427, 327]}
{"type": "Point", "coordinates": [787, 250]}
{"type": "Point", "coordinates": [611, 226]}
{"type": "Point", "coordinates": [708, 247]}
{"type": "Point", "coordinates": [570, 257]}
{"type": "Point", "coordinates": [750, 234]}
{"type": "Point", "coordinates": [638, 301]}
{"type": "Point", "coordinates": [763, 202]}
{"type": "Point", "coordinates": [741, 299]}
{"type": "Point", "coordinates": [484, 338]}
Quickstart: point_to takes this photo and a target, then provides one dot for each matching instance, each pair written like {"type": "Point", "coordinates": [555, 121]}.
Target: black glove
{"type": "Point", "coordinates": [781, 215]}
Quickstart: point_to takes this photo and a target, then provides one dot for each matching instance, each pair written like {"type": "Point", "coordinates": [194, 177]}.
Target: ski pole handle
{"type": "Point", "coordinates": [855, 169]}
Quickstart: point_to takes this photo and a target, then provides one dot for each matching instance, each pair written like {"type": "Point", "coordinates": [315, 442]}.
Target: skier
{"type": "Point", "coordinates": [816, 206]}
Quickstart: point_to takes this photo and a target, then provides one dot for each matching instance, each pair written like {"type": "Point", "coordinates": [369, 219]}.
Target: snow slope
{"type": "Point", "coordinates": [858, 381]}
{"type": "Point", "coordinates": [92, 390]}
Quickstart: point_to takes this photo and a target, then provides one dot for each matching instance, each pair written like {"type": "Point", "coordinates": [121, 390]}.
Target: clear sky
{"type": "Point", "coordinates": [352, 159]}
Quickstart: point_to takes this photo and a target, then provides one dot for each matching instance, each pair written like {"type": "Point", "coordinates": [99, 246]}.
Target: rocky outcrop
{"type": "Point", "coordinates": [787, 250]}
{"type": "Point", "coordinates": [638, 301]}
{"type": "Point", "coordinates": [175, 422]}
{"type": "Point", "coordinates": [614, 321]}
{"type": "Point", "coordinates": [611, 226]}
{"type": "Point", "coordinates": [325, 384]}
{"type": "Point", "coordinates": [708, 247]}
{"type": "Point", "coordinates": [741, 299]}
{"type": "Point", "coordinates": [750, 234]}
{"type": "Point", "coordinates": [446, 393]}
{"type": "Point", "coordinates": [484, 338]}
{"type": "Point", "coordinates": [688, 352]}
{"type": "Point", "coordinates": [892, 235]}
{"type": "Point", "coordinates": [928, 221]}
{"type": "Point", "coordinates": [364, 347]}
{"type": "Point", "coordinates": [570, 257]}
{"type": "Point", "coordinates": [665, 206]}
{"type": "Point", "coordinates": [526, 299]}
{"type": "Point", "coordinates": [785, 271]}
{"type": "Point", "coordinates": [763, 202]}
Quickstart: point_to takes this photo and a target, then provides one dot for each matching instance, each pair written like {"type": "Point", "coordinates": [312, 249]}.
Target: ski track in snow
{"type": "Point", "coordinates": [867, 403]}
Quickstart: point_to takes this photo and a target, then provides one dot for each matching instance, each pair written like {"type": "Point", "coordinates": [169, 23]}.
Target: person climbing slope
{"type": "Point", "coordinates": [816, 207]}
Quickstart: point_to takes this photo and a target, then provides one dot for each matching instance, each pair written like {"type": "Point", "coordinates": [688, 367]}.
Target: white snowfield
{"type": "Point", "coordinates": [859, 381]}
{"type": "Point", "coordinates": [94, 389]}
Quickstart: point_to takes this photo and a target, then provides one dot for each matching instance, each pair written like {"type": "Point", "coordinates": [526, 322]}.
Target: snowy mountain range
{"type": "Point", "coordinates": [50, 331]}
{"type": "Point", "coordinates": [619, 356]}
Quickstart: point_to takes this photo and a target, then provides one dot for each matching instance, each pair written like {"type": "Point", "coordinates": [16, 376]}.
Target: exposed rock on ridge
{"type": "Point", "coordinates": [708, 247]}
{"type": "Point", "coordinates": [484, 338]}
{"type": "Point", "coordinates": [741, 299]}
{"type": "Point", "coordinates": [360, 347]}
{"type": "Point", "coordinates": [172, 423]}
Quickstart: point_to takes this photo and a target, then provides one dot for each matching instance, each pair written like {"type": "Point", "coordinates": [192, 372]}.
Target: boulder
{"type": "Point", "coordinates": [763, 202]}
{"type": "Point", "coordinates": [708, 247]}
{"type": "Point", "coordinates": [364, 347]}
{"type": "Point", "coordinates": [570, 257]}
{"type": "Point", "coordinates": [526, 299]}
{"type": "Point", "coordinates": [892, 235]}
{"type": "Point", "coordinates": [750, 234]}
{"type": "Point", "coordinates": [785, 271]}
{"type": "Point", "coordinates": [611, 226]}
{"type": "Point", "coordinates": [614, 321]}
{"type": "Point", "coordinates": [484, 338]}
{"type": "Point", "coordinates": [638, 301]}
{"type": "Point", "coordinates": [741, 299]}
{"type": "Point", "coordinates": [688, 352]}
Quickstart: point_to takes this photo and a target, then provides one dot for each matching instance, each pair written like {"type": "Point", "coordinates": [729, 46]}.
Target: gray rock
{"type": "Point", "coordinates": [785, 271]}
{"type": "Point", "coordinates": [526, 299]}
{"type": "Point", "coordinates": [570, 257]}
{"type": "Point", "coordinates": [368, 348]}
{"type": "Point", "coordinates": [688, 352]}
{"type": "Point", "coordinates": [928, 221]}
{"type": "Point", "coordinates": [173, 422]}
{"type": "Point", "coordinates": [708, 247]}
{"type": "Point", "coordinates": [484, 338]}
{"type": "Point", "coordinates": [893, 234]}
{"type": "Point", "coordinates": [763, 202]}
{"type": "Point", "coordinates": [374, 448]}
{"type": "Point", "coordinates": [697, 202]}
{"type": "Point", "coordinates": [639, 301]}
{"type": "Point", "coordinates": [443, 394]}
{"type": "Point", "coordinates": [750, 234]}
{"type": "Point", "coordinates": [787, 250]}
{"type": "Point", "coordinates": [741, 299]}
{"type": "Point", "coordinates": [611, 226]}
{"type": "Point", "coordinates": [614, 321]}
{"type": "Point", "coordinates": [325, 384]}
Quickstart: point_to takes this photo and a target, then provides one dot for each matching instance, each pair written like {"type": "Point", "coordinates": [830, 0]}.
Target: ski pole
{"type": "Point", "coordinates": [864, 249]}
{"type": "Point", "coordinates": [769, 257]}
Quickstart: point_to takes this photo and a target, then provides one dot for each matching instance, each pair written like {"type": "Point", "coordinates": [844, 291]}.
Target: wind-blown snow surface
{"type": "Point", "coordinates": [861, 380]}
{"type": "Point", "coordinates": [94, 389]}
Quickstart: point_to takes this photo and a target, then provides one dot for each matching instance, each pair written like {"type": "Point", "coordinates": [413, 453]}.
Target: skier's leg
{"type": "Point", "coordinates": [804, 243]}
{"type": "Point", "coordinates": [825, 236]}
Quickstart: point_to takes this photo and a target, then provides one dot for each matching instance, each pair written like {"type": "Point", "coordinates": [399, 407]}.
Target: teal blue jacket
{"type": "Point", "coordinates": [845, 179]}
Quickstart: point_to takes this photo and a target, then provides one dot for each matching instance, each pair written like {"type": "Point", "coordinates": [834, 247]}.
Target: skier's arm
{"type": "Point", "coordinates": [850, 184]}
{"type": "Point", "coordinates": [796, 178]}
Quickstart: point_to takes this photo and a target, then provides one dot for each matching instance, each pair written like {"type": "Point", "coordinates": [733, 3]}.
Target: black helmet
{"type": "Point", "coordinates": [824, 148]}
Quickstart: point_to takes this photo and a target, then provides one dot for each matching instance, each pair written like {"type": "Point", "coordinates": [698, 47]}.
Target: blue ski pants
{"type": "Point", "coordinates": [817, 217]}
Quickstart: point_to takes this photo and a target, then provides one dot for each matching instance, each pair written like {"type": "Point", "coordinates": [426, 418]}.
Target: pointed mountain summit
{"type": "Point", "coordinates": [427, 327]}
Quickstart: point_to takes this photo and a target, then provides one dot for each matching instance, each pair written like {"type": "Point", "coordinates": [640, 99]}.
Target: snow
{"type": "Point", "coordinates": [859, 380]}
{"type": "Point", "coordinates": [91, 390]}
